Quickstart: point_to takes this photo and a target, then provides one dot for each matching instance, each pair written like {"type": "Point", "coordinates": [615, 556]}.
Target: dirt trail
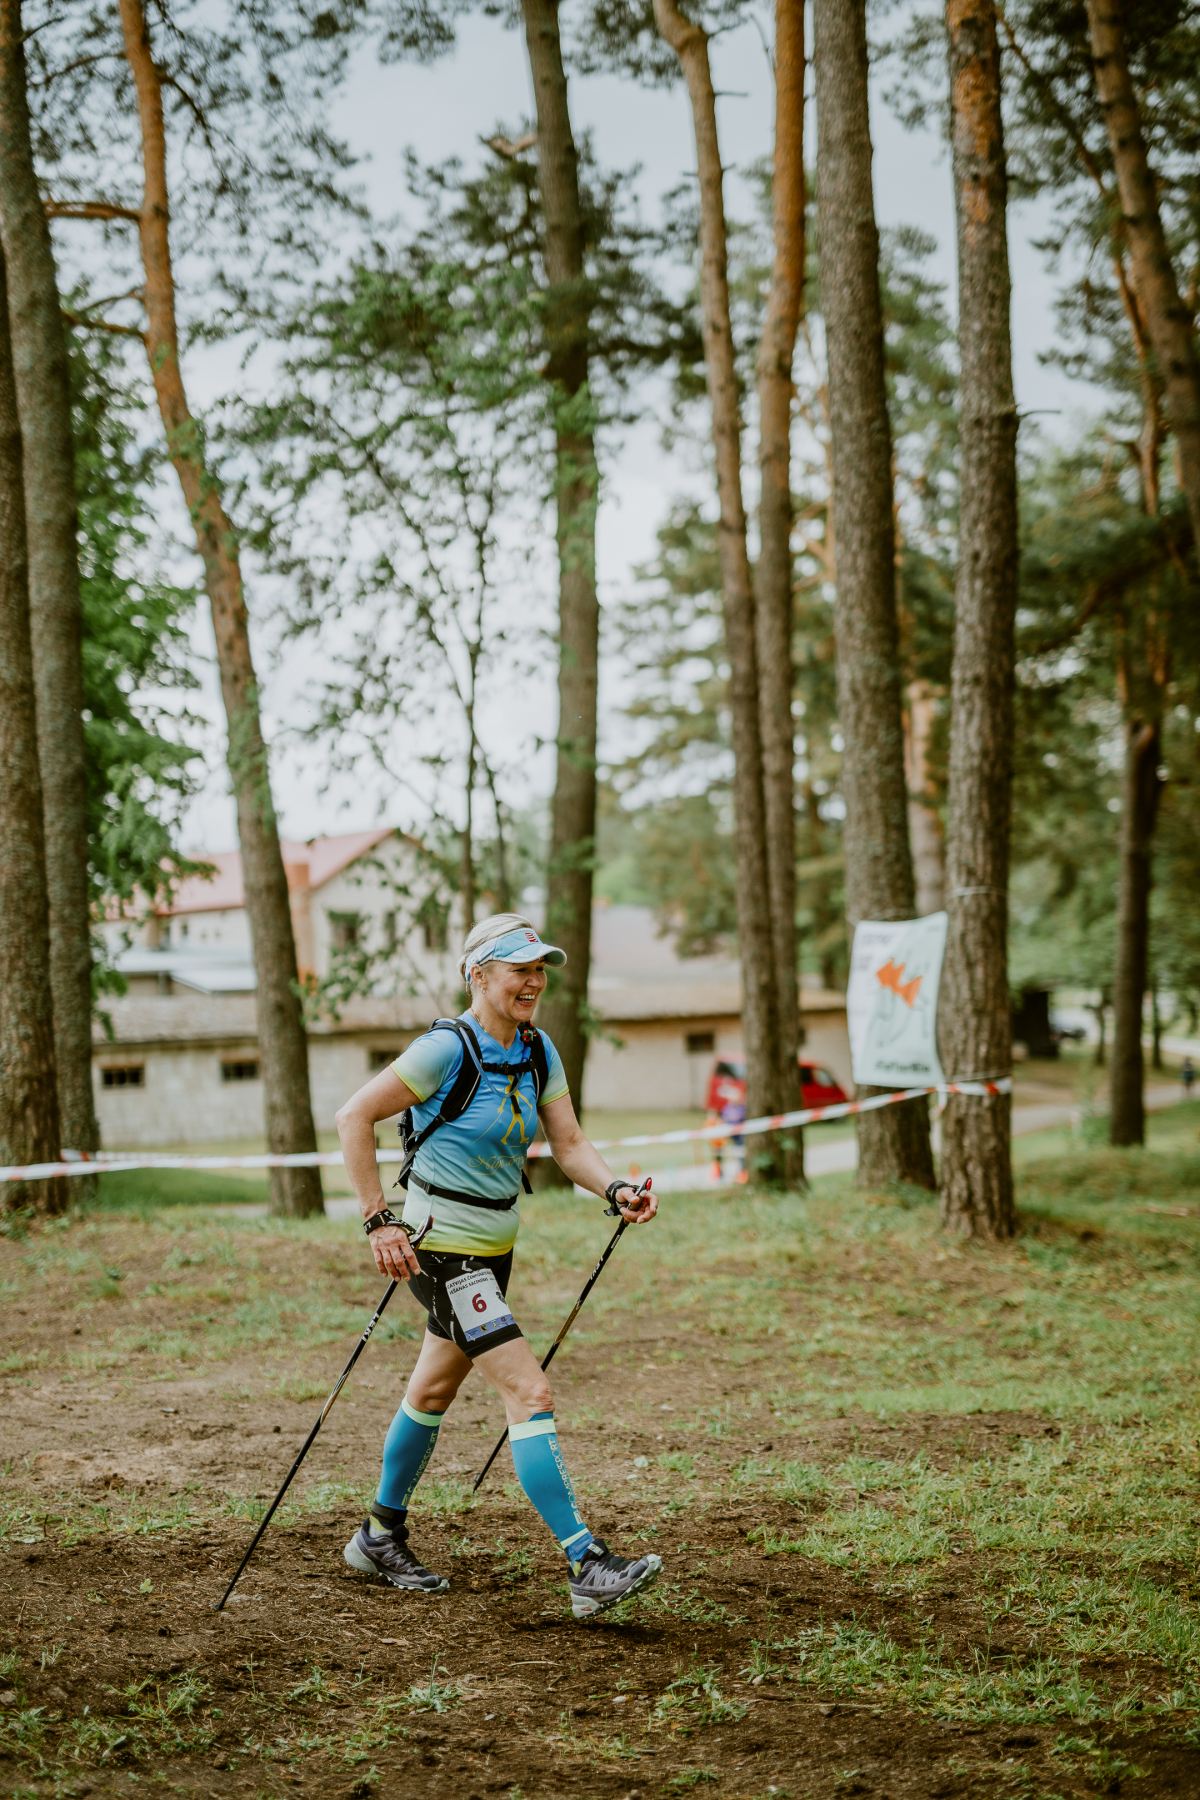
{"type": "Point", "coordinates": [124, 1460]}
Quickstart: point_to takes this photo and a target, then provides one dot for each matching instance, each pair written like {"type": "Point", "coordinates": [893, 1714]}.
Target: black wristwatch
{"type": "Point", "coordinates": [385, 1217]}
{"type": "Point", "coordinates": [613, 1189]}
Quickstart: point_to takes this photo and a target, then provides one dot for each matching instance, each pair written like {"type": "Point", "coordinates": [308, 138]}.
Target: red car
{"type": "Point", "coordinates": [727, 1086]}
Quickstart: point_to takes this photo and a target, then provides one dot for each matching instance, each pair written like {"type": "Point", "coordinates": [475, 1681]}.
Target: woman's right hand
{"type": "Point", "coordinates": [394, 1255]}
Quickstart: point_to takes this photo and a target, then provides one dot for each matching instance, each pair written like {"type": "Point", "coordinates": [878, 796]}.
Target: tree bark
{"type": "Point", "coordinates": [1100, 1057]}
{"type": "Point", "coordinates": [283, 1044]}
{"type": "Point", "coordinates": [1168, 320]}
{"type": "Point", "coordinates": [773, 575]}
{"type": "Point", "coordinates": [39, 352]}
{"type": "Point", "coordinates": [760, 1022]}
{"type": "Point", "coordinates": [924, 821]}
{"type": "Point", "coordinates": [564, 1011]}
{"type": "Point", "coordinates": [1139, 813]}
{"type": "Point", "coordinates": [975, 1014]}
{"type": "Point", "coordinates": [29, 1121]}
{"type": "Point", "coordinates": [894, 1142]}
{"type": "Point", "coordinates": [1143, 679]}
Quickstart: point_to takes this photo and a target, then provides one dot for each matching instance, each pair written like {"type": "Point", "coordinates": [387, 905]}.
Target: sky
{"type": "Point", "coordinates": [446, 110]}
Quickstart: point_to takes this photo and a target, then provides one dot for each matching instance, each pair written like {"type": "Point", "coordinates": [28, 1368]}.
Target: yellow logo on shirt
{"type": "Point", "coordinates": [511, 1099]}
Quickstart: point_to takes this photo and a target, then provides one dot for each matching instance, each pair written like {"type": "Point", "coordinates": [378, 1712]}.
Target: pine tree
{"type": "Point", "coordinates": [573, 811]}
{"type": "Point", "coordinates": [1170, 324]}
{"type": "Point", "coordinates": [283, 1043]}
{"type": "Point", "coordinates": [1104, 118]}
{"type": "Point", "coordinates": [29, 1119]}
{"type": "Point", "coordinates": [894, 1141]}
{"type": "Point", "coordinates": [974, 1014]}
{"type": "Point", "coordinates": [773, 572]}
{"type": "Point", "coordinates": [760, 1018]}
{"type": "Point", "coordinates": [43, 393]}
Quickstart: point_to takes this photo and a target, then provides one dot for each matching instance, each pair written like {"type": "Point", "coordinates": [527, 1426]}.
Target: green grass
{"type": "Point", "coordinates": [148, 1190]}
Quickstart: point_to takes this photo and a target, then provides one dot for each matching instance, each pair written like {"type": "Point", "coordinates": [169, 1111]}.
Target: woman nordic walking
{"type": "Point", "coordinates": [476, 1086]}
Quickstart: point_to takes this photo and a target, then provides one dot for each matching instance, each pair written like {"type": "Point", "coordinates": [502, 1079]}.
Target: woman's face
{"type": "Point", "coordinates": [513, 989]}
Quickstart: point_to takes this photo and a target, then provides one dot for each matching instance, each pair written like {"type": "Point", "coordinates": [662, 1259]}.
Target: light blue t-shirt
{"type": "Point", "coordinates": [481, 1152]}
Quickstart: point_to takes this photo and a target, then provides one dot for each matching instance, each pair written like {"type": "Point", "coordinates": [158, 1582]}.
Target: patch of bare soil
{"type": "Point", "coordinates": [543, 1706]}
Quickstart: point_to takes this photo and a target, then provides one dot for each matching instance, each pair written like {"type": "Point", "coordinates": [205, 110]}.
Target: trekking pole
{"type": "Point", "coordinates": [339, 1384]}
{"type": "Point", "coordinates": [572, 1315]}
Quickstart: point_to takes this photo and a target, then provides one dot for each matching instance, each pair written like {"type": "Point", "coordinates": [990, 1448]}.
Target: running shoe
{"type": "Point", "coordinates": [601, 1579]}
{"type": "Point", "coordinates": [389, 1558]}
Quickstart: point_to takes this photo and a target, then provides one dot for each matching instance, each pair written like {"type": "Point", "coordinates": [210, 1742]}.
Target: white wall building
{"type": "Point", "coordinates": [181, 1064]}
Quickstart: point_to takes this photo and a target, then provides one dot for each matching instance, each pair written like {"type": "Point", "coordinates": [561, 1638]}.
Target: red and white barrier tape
{"type": "Point", "coordinates": [105, 1161]}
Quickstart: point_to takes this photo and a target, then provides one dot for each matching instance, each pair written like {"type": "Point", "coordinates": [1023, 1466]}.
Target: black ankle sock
{"type": "Point", "coordinates": [388, 1516]}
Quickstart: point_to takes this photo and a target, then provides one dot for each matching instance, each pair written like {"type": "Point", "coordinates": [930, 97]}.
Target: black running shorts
{"type": "Point", "coordinates": [464, 1297]}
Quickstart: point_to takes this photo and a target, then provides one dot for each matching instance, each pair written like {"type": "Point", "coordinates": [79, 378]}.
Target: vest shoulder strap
{"type": "Point", "coordinates": [466, 1083]}
{"type": "Point", "coordinates": [462, 1092]}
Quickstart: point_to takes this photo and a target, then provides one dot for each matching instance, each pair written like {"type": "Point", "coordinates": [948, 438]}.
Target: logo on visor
{"type": "Point", "coordinates": [531, 937]}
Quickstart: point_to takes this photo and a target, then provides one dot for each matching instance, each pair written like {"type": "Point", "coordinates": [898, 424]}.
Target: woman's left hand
{"type": "Point", "coordinates": [640, 1209]}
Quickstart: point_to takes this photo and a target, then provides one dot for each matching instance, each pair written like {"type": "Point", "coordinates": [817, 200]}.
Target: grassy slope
{"type": "Point", "coordinates": [1079, 1543]}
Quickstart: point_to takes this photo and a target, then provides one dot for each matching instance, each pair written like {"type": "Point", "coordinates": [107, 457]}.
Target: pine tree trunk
{"type": "Point", "coordinates": [760, 1025]}
{"type": "Point", "coordinates": [975, 1014]}
{"type": "Point", "coordinates": [564, 1011]}
{"type": "Point", "coordinates": [1168, 319]}
{"type": "Point", "coordinates": [1139, 815]}
{"type": "Point", "coordinates": [283, 1044]}
{"type": "Point", "coordinates": [39, 350]}
{"type": "Point", "coordinates": [894, 1142]}
{"type": "Point", "coordinates": [773, 575]}
{"type": "Point", "coordinates": [29, 1123]}
{"type": "Point", "coordinates": [924, 821]}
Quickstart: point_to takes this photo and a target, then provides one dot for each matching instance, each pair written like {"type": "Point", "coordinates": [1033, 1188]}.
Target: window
{"type": "Point", "coordinates": [433, 916]}
{"type": "Point", "coordinates": [344, 930]}
{"type": "Point", "coordinates": [701, 1043]}
{"type": "Point", "coordinates": [380, 1059]}
{"type": "Point", "coordinates": [124, 1075]}
{"type": "Point", "coordinates": [239, 1071]}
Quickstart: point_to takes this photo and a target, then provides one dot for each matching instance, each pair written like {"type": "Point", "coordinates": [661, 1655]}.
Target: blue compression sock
{"type": "Point", "coordinates": [543, 1474]}
{"type": "Point", "coordinates": [406, 1453]}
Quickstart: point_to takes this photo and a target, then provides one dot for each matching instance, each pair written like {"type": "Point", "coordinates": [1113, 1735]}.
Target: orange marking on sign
{"type": "Point", "coordinates": [889, 977]}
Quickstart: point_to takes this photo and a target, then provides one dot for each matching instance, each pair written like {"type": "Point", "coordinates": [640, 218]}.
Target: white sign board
{"type": "Point", "coordinates": [891, 1002]}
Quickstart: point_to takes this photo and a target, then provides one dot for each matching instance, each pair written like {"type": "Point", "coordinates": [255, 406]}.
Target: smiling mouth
{"type": "Point", "coordinates": [526, 999]}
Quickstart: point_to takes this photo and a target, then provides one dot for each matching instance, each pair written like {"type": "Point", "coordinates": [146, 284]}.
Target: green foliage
{"type": "Point", "coordinates": [418, 408]}
{"type": "Point", "coordinates": [257, 174]}
{"type": "Point", "coordinates": [666, 828]}
{"type": "Point", "coordinates": [695, 1698]}
{"type": "Point", "coordinates": [1102, 585]}
{"type": "Point", "coordinates": [434, 1695]}
{"type": "Point", "coordinates": [135, 645]}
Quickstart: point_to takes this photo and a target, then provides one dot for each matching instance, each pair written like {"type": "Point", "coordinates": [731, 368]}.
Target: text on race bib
{"type": "Point", "coordinates": [479, 1306]}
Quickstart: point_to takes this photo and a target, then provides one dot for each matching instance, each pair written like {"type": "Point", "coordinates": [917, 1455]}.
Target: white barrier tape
{"type": "Point", "coordinates": [105, 1161]}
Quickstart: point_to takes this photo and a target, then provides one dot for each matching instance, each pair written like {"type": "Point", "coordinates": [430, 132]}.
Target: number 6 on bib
{"type": "Point", "coordinates": [479, 1306]}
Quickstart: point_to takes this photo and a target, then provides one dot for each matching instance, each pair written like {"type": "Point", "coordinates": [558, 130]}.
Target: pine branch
{"type": "Point", "coordinates": [90, 209]}
{"type": "Point", "coordinates": [86, 324]}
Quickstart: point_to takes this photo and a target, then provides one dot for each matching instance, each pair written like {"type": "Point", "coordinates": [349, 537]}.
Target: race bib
{"type": "Point", "coordinates": [479, 1306]}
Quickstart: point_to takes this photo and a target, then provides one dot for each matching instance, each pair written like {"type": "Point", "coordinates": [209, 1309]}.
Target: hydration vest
{"type": "Point", "coordinates": [465, 1086]}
